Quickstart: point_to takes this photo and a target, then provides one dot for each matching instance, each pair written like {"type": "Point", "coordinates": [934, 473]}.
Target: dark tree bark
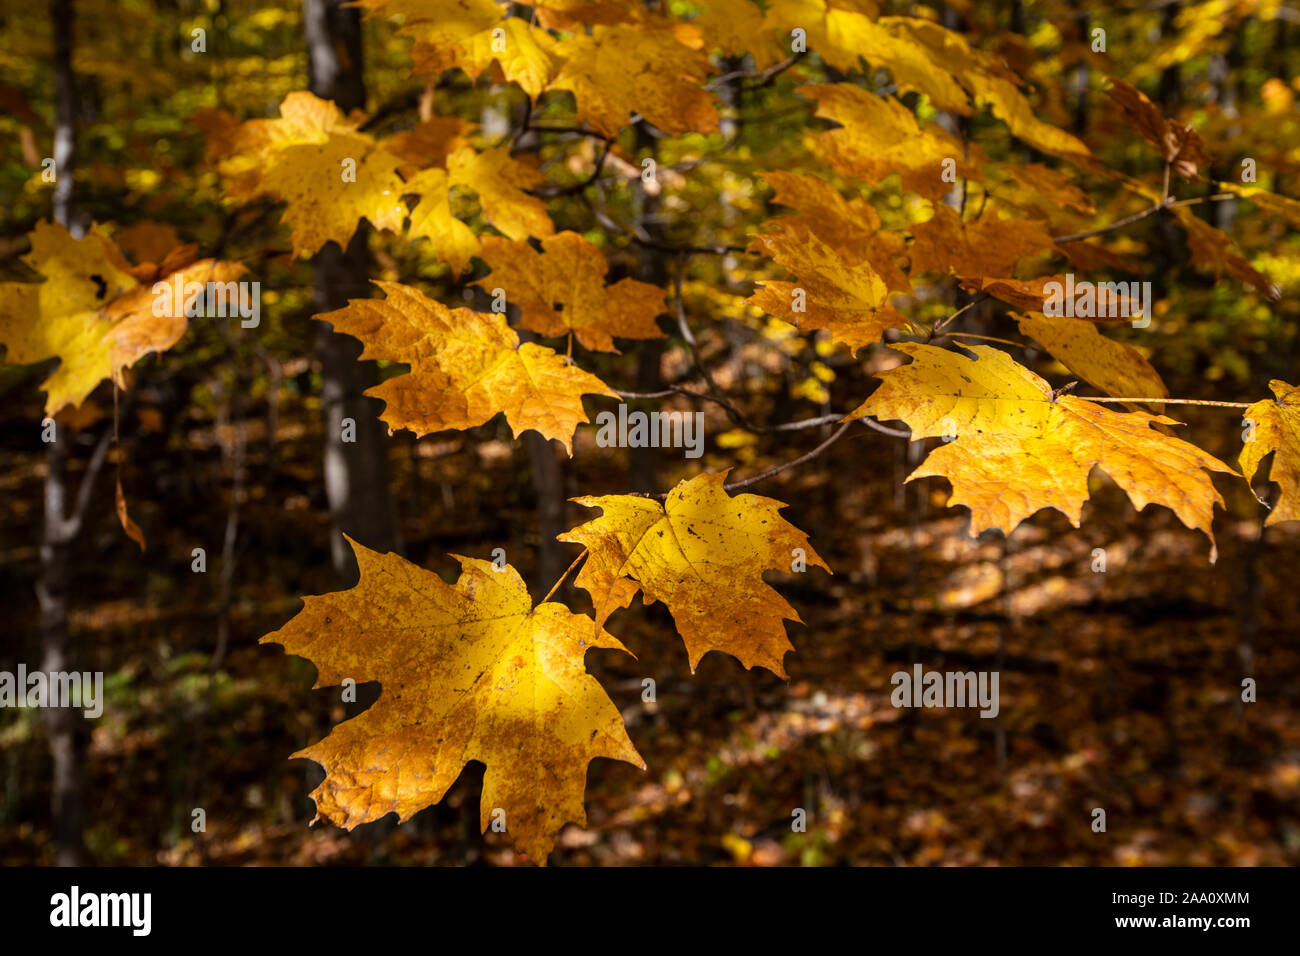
{"type": "Point", "coordinates": [356, 472]}
{"type": "Point", "coordinates": [65, 727]}
{"type": "Point", "coordinates": [643, 463]}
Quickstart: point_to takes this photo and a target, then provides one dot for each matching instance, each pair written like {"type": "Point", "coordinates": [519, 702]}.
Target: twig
{"type": "Point", "coordinates": [556, 586]}
{"type": "Point", "coordinates": [835, 436]}
{"type": "Point", "coordinates": [944, 323]}
{"type": "Point", "coordinates": [985, 338]}
{"type": "Point", "coordinates": [556, 191]}
{"type": "Point", "coordinates": [1173, 401]}
{"type": "Point", "coordinates": [1117, 224]}
{"type": "Point", "coordinates": [1167, 203]}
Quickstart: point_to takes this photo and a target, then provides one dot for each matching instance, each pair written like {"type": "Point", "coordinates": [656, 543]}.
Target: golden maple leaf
{"type": "Point", "coordinates": [562, 289]}
{"type": "Point", "coordinates": [314, 159]}
{"type": "Point", "coordinates": [879, 136]}
{"type": "Point", "coordinates": [703, 553]}
{"type": "Point", "coordinates": [935, 52]}
{"type": "Point", "coordinates": [988, 246]}
{"type": "Point", "coordinates": [1014, 448]}
{"type": "Point", "coordinates": [842, 293]}
{"type": "Point", "coordinates": [850, 226]}
{"type": "Point", "coordinates": [472, 35]}
{"type": "Point", "coordinates": [1211, 250]}
{"type": "Point", "coordinates": [469, 671]}
{"type": "Point", "coordinates": [1029, 294]}
{"type": "Point", "coordinates": [913, 64]}
{"type": "Point", "coordinates": [1277, 429]}
{"type": "Point", "coordinates": [1112, 367]}
{"type": "Point", "coordinates": [465, 367]}
{"type": "Point", "coordinates": [736, 27]}
{"type": "Point", "coordinates": [452, 240]}
{"type": "Point", "coordinates": [92, 311]}
{"type": "Point", "coordinates": [499, 181]}
{"type": "Point", "coordinates": [650, 68]}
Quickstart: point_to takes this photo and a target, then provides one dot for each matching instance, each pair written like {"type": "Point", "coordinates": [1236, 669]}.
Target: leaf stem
{"type": "Point", "coordinates": [1172, 401]}
{"type": "Point", "coordinates": [556, 586]}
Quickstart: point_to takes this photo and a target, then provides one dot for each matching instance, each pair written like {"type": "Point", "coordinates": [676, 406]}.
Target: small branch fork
{"type": "Point", "coordinates": [1168, 202]}
{"type": "Point", "coordinates": [738, 417]}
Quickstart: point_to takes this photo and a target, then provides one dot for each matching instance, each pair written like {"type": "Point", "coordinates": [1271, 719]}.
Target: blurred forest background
{"type": "Point", "coordinates": [1119, 690]}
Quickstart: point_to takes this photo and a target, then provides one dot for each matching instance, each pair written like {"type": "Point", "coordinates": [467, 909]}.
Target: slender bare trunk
{"type": "Point", "coordinates": [65, 727]}
{"type": "Point", "coordinates": [356, 442]}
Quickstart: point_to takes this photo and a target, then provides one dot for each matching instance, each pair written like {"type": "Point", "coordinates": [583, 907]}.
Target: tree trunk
{"type": "Point", "coordinates": [643, 463]}
{"type": "Point", "coordinates": [64, 726]}
{"type": "Point", "coordinates": [356, 471]}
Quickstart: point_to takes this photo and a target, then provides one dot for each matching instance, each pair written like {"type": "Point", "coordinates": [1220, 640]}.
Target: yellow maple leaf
{"type": "Point", "coordinates": [988, 246]}
{"type": "Point", "coordinates": [470, 671]}
{"type": "Point", "coordinates": [432, 218]}
{"type": "Point", "coordinates": [465, 367]}
{"type": "Point", "coordinates": [703, 553]}
{"type": "Point", "coordinates": [472, 35]}
{"type": "Point", "coordinates": [879, 136]}
{"type": "Point", "coordinates": [840, 292]}
{"type": "Point", "coordinates": [913, 64]}
{"type": "Point", "coordinates": [736, 27]}
{"type": "Point", "coordinates": [328, 173]}
{"type": "Point", "coordinates": [500, 181]}
{"type": "Point", "coordinates": [91, 312]}
{"type": "Point", "coordinates": [1113, 367]}
{"type": "Point", "coordinates": [1277, 430]}
{"type": "Point", "coordinates": [848, 225]}
{"type": "Point", "coordinates": [1023, 294]}
{"type": "Point", "coordinates": [562, 289]}
{"type": "Point", "coordinates": [640, 68]}
{"type": "Point", "coordinates": [981, 75]}
{"type": "Point", "coordinates": [1014, 448]}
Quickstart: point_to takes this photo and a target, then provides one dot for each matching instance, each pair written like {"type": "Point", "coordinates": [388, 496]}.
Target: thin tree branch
{"type": "Point", "coordinates": [835, 436]}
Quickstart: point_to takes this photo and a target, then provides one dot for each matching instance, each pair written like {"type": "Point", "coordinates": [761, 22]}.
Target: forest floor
{"type": "Point", "coordinates": [1118, 690]}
